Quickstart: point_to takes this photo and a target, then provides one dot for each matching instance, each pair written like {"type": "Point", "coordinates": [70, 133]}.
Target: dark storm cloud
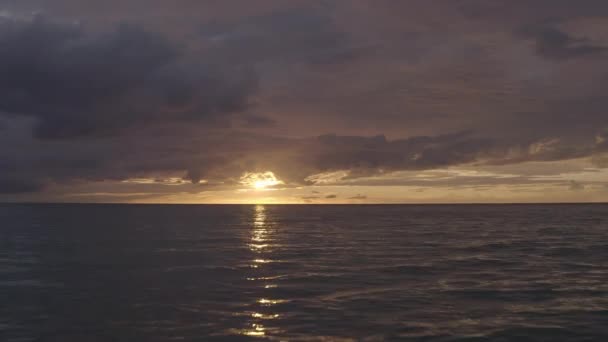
{"type": "Point", "coordinates": [365, 156]}
{"type": "Point", "coordinates": [19, 186]}
{"type": "Point", "coordinates": [299, 34]}
{"type": "Point", "coordinates": [554, 44]}
{"type": "Point", "coordinates": [77, 83]}
{"type": "Point", "coordinates": [207, 90]}
{"type": "Point", "coordinates": [532, 10]}
{"type": "Point", "coordinates": [371, 153]}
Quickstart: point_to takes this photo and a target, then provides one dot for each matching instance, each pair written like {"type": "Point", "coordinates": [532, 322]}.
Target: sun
{"type": "Point", "coordinates": [260, 180]}
{"type": "Point", "coordinates": [262, 184]}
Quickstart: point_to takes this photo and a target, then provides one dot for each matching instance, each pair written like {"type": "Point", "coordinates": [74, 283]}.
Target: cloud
{"type": "Point", "coordinates": [576, 186]}
{"type": "Point", "coordinates": [601, 140]}
{"type": "Point", "coordinates": [372, 153]}
{"type": "Point", "coordinates": [600, 160]}
{"type": "Point", "coordinates": [19, 186]}
{"type": "Point", "coordinates": [208, 91]}
{"type": "Point", "coordinates": [320, 161]}
{"type": "Point", "coordinates": [292, 34]}
{"type": "Point", "coordinates": [312, 198]}
{"type": "Point", "coordinates": [79, 83]}
{"type": "Point", "coordinates": [253, 120]}
{"type": "Point", "coordinates": [555, 44]}
{"type": "Point", "coordinates": [339, 157]}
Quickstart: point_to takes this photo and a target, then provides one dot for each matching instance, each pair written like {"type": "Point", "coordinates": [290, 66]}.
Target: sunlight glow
{"type": "Point", "coordinates": [260, 180]}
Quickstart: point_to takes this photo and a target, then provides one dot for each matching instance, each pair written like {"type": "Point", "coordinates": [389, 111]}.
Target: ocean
{"type": "Point", "coordinates": [83, 273]}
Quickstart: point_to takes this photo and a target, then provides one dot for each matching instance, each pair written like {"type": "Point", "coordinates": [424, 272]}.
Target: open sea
{"type": "Point", "coordinates": [303, 273]}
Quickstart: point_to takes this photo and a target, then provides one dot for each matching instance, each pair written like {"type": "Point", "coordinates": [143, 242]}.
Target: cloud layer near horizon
{"type": "Point", "coordinates": [206, 91]}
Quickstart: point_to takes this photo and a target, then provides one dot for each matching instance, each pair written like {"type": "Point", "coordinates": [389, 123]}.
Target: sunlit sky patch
{"type": "Point", "coordinates": [260, 180]}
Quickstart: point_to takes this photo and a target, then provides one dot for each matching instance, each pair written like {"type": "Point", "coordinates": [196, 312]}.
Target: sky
{"type": "Point", "coordinates": [275, 101]}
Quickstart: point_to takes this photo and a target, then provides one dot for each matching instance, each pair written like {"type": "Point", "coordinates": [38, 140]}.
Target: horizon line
{"type": "Point", "coordinates": [311, 204]}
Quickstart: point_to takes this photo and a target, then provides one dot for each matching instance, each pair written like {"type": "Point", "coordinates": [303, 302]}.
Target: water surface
{"type": "Point", "coordinates": [303, 273]}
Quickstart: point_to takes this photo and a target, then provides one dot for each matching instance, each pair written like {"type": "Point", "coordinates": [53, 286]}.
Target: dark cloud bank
{"type": "Point", "coordinates": [91, 102]}
{"type": "Point", "coordinates": [82, 84]}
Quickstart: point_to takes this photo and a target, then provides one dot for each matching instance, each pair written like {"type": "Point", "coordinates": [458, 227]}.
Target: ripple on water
{"type": "Point", "coordinates": [304, 273]}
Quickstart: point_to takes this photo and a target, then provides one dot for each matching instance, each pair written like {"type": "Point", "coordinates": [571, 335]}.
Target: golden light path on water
{"type": "Point", "coordinates": [260, 245]}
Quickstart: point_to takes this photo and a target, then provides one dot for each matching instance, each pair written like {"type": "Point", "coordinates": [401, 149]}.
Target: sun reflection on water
{"type": "Point", "coordinates": [259, 244]}
{"type": "Point", "coordinates": [256, 330]}
{"type": "Point", "coordinates": [260, 231]}
{"type": "Point", "coordinates": [270, 302]}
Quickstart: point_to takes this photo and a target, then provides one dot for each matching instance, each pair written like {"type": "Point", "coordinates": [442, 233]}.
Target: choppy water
{"type": "Point", "coordinates": [303, 273]}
